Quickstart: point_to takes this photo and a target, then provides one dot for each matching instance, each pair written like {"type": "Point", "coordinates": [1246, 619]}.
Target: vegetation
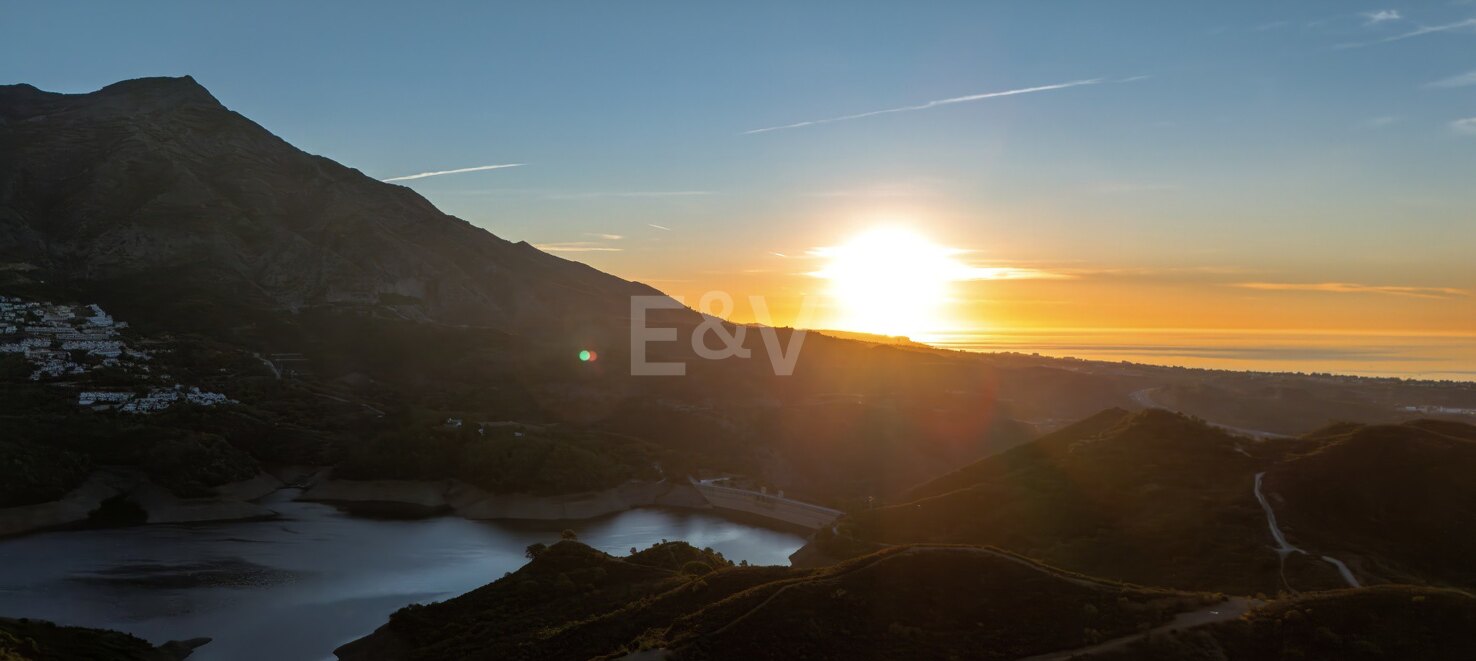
{"type": "Point", "coordinates": [37, 640]}
{"type": "Point", "coordinates": [911, 602]}
{"type": "Point", "coordinates": [1158, 498]}
{"type": "Point", "coordinates": [542, 461]}
{"type": "Point", "coordinates": [1384, 622]}
{"type": "Point", "coordinates": [1393, 500]}
{"type": "Point", "coordinates": [1152, 498]}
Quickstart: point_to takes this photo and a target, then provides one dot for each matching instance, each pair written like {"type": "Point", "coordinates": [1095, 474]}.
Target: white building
{"type": "Point", "coordinates": [91, 397]}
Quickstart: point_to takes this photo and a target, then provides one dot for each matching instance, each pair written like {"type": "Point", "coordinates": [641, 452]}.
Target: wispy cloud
{"type": "Point", "coordinates": [1465, 126]}
{"type": "Point", "coordinates": [1354, 288]}
{"type": "Point", "coordinates": [576, 246]}
{"type": "Point", "coordinates": [1381, 16]}
{"type": "Point", "coordinates": [917, 188]}
{"type": "Point", "coordinates": [1014, 273]}
{"type": "Point", "coordinates": [660, 227]}
{"type": "Point", "coordinates": [607, 237]}
{"type": "Point", "coordinates": [1461, 80]}
{"type": "Point", "coordinates": [629, 194]}
{"type": "Point", "coordinates": [940, 102]}
{"type": "Point", "coordinates": [1379, 122]}
{"type": "Point", "coordinates": [1469, 23]}
{"type": "Point", "coordinates": [438, 173]}
{"type": "Point", "coordinates": [1134, 187]}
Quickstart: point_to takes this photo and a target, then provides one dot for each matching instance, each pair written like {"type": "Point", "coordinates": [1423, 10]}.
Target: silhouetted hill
{"type": "Point", "coordinates": [909, 602]}
{"type": "Point", "coordinates": [1152, 497]}
{"type": "Point", "coordinates": [1162, 499]}
{"type": "Point", "coordinates": [1384, 622]}
{"type": "Point", "coordinates": [38, 640]}
{"type": "Point", "coordinates": [152, 188]}
{"type": "Point", "coordinates": [1393, 501]}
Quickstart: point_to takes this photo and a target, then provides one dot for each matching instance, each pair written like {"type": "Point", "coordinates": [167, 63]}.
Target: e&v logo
{"type": "Point", "coordinates": [731, 344]}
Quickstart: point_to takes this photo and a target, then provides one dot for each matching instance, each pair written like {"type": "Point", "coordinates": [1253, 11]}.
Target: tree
{"type": "Point", "coordinates": [569, 535]}
{"type": "Point", "coordinates": [534, 550]}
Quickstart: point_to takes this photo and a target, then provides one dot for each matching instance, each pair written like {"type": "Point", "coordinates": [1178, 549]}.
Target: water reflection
{"type": "Point", "coordinates": [296, 588]}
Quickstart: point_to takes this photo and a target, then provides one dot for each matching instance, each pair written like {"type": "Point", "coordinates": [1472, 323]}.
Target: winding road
{"type": "Point", "coordinates": [1285, 548]}
{"type": "Point", "coordinates": [1222, 612]}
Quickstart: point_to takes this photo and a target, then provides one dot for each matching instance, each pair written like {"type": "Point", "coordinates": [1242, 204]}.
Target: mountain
{"type": "Point", "coordinates": [672, 601]}
{"type": "Point", "coordinates": [349, 319]}
{"type": "Point", "coordinates": [154, 188]}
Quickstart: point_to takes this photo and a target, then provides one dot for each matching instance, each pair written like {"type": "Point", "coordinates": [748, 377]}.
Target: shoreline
{"type": "Point", "coordinates": [398, 497]}
{"type": "Point", "coordinates": [239, 501]}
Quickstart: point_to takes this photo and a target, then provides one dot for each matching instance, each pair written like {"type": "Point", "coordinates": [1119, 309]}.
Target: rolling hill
{"type": "Point", "coordinates": [908, 602]}
{"type": "Point", "coordinates": [1162, 499]}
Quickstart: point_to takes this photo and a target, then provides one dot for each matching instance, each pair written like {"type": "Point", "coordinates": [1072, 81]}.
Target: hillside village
{"type": "Point", "coordinates": [64, 344]}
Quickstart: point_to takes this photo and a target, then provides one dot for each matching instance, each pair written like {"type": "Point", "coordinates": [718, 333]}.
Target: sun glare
{"type": "Point", "coordinates": [890, 281]}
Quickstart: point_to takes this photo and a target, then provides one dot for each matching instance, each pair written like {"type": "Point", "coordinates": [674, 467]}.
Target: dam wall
{"type": "Point", "coordinates": [768, 506]}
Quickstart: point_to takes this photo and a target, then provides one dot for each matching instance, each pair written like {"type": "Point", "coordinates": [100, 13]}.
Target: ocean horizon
{"type": "Point", "coordinates": [1428, 356]}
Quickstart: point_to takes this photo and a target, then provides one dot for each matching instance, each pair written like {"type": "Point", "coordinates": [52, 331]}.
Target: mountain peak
{"type": "Point", "coordinates": [24, 101]}
{"type": "Point", "coordinates": [174, 90]}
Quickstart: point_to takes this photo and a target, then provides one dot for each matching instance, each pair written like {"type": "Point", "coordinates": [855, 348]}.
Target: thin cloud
{"type": "Point", "coordinates": [633, 194]}
{"type": "Point", "coordinates": [660, 227]}
{"type": "Point", "coordinates": [1134, 187]}
{"type": "Point", "coordinates": [607, 237]}
{"type": "Point", "coordinates": [438, 173]}
{"type": "Point", "coordinates": [666, 193]}
{"type": "Point", "coordinates": [1463, 80]}
{"type": "Point", "coordinates": [1014, 273]}
{"type": "Point", "coordinates": [1419, 32]}
{"type": "Point", "coordinates": [576, 246]}
{"type": "Point", "coordinates": [1465, 126]}
{"type": "Point", "coordinates": [937, 103]}
{"type": "Point", "coordinates": [1354, 288]}
{"type": "Point", "coordinates": [1381, 16]}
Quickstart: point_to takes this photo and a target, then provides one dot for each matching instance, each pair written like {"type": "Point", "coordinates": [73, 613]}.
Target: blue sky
{"type": "Point", "coordinates": [1296, 144]}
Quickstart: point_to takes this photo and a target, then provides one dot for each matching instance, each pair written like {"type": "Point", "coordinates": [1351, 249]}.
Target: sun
{"type": "Point", "coordinates": [890, 281]}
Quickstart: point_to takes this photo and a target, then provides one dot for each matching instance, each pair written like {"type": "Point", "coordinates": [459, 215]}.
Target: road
{"type": "Point", "coordinates": [1224, 611]}
{"type": "Point", "coordinates": [276, 371]}
{"type": "Point", "coordinates": [1285, 548]}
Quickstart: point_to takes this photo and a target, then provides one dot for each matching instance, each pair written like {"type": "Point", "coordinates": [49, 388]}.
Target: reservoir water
{"type": "Point", "coordinates": [299, 586]}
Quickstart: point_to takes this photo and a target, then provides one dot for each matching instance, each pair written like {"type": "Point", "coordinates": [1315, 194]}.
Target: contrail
{"type": "Point", "coordinates": [1420, 32]}
{"type": "Point", "coordinates": [934, 104]}
{"type": "Point", "coordinates": [438, 173]}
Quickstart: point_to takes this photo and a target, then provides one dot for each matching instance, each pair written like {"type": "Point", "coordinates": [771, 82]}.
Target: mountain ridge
{"type": "Point", "coordinates": [153, 184]}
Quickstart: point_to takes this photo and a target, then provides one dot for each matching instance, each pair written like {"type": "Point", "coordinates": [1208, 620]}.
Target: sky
{"type": "Point", "coordinates": [1149, 169]}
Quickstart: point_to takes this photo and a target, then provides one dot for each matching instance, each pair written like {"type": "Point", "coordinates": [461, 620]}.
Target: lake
{"type": "Point", "coordinates": [299, 586]}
